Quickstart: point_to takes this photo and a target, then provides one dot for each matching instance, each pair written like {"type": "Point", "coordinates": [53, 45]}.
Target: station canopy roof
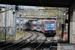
{"type": "Point", "coordinates": [47, 3]}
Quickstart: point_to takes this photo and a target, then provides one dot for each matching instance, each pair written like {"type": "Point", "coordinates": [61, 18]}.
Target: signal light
{"type": "Point", "coordinates": [16, 7]}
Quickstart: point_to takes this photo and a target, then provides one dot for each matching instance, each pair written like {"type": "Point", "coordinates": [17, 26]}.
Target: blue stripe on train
{"type": "Point", "coordinates": [49, 28]}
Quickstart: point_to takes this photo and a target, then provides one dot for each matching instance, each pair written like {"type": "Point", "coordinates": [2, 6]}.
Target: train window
{"type": "Point", "coordinates": [34, 24]}
{"type": "Point", "coordinates": [50, 25]}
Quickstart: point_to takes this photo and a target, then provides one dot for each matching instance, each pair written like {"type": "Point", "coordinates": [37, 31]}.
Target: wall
{"type": "Point", "coordinates": [2, 17]}
{"type": "Point", "coordinates": [72, 27]}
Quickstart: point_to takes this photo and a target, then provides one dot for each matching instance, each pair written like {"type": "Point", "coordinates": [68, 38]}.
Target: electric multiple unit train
{"type": "Point", "coordinates": [48, 26]}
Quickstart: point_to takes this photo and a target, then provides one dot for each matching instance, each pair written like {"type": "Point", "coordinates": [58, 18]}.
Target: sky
{"type": "Point", "coordinates": [21, 6]}
{"type": "Point", "coordinates": [33, 7]}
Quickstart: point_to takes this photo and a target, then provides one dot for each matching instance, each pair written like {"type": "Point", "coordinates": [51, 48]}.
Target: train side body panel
{"type": "Point", "coordinates": [39, 25]}
{"type": "Point", "coordinates": [33, 25]}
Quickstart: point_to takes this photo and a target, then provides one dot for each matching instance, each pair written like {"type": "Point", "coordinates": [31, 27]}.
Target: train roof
{"type": "Point", "coordinates": [34, 22]}
{"type": "Point", "coordinates": [50, 18]}
{"type": "Point", "coordinates": [40, 20]}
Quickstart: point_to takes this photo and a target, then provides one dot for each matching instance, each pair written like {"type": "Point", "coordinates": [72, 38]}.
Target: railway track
{"type": "Point", "coordinates": [41, 40]}
{"type": "Point", "coordinates": [37, 41]}
{"type": "Point", "coordinates": [28, 41]}
{"type": "Point", "coordinates": [16, 43]}
{"type": "Point", "coordinates": [44, 45]}
{"type": "Point", "coordinates": [40, 44]}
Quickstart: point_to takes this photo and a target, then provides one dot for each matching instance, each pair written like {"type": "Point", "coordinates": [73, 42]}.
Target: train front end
{"type": "Point", "coordinates": [50, 28]}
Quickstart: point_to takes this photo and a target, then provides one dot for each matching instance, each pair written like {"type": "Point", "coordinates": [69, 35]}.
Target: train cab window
{"type": "Point", "coordinates": [50, 25]}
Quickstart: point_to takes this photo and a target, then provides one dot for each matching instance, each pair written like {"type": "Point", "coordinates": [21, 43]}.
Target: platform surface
{"type": "Point", "coordinates": [65, 46]}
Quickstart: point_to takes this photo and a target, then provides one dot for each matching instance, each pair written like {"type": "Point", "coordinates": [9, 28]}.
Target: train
{"type": "Point", "coordinates": [33, 25]}
{"type": "Point", "coordinates": [47, 26]}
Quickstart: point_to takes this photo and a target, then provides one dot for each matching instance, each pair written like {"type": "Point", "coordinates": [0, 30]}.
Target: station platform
{"type": "Point", "coordinates": [65, 46]}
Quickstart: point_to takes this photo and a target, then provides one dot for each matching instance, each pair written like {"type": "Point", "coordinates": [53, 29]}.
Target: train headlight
{"type": "Point", "coordinates": [45, 29]}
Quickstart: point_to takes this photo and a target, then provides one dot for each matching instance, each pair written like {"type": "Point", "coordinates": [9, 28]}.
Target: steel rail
{"type": "Point", "coordinates": [26, 43]}
{"type": "Point", "coordinates": [51, 43]}
{"type": "Point", "coordinates": [13, 44]}
{"type": "Point", "coordinates": [40, 44]}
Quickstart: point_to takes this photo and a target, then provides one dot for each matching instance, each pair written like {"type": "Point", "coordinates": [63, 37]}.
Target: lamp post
{"type": "Point", "coordinates": [62, 16]}
{"type": "Point", "coordinates": [20, 23]}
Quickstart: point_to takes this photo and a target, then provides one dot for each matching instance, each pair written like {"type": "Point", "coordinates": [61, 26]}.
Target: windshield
{"type": "Point", "coordinates": [49, 25]}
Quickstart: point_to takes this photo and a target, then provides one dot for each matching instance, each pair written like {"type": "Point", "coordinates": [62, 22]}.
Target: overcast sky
{"type": "Point", "coordinates": [21, 6]}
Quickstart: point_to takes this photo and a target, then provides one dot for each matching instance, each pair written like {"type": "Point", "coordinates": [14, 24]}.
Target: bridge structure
{"type": "Point", "coordinates": [40, 13]}
{"type": "Point", "coordinates": [40, 17]}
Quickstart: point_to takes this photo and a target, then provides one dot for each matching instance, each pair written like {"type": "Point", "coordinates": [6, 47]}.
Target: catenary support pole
{"type": "Point", "coordinates": [62, 25]}
{"type": "Point", "coordinates": [62, 15]}
{"type": "Point", "coordinates": [20, 23]}
{"type": "Point", "coordinates": [13, 23]}
{"type": "Point", "coordinates": [5, 22]}
{"type": "Point", "coordinates": [59, 12]}
{"type": "Point", "coordinates": [67, 24]}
